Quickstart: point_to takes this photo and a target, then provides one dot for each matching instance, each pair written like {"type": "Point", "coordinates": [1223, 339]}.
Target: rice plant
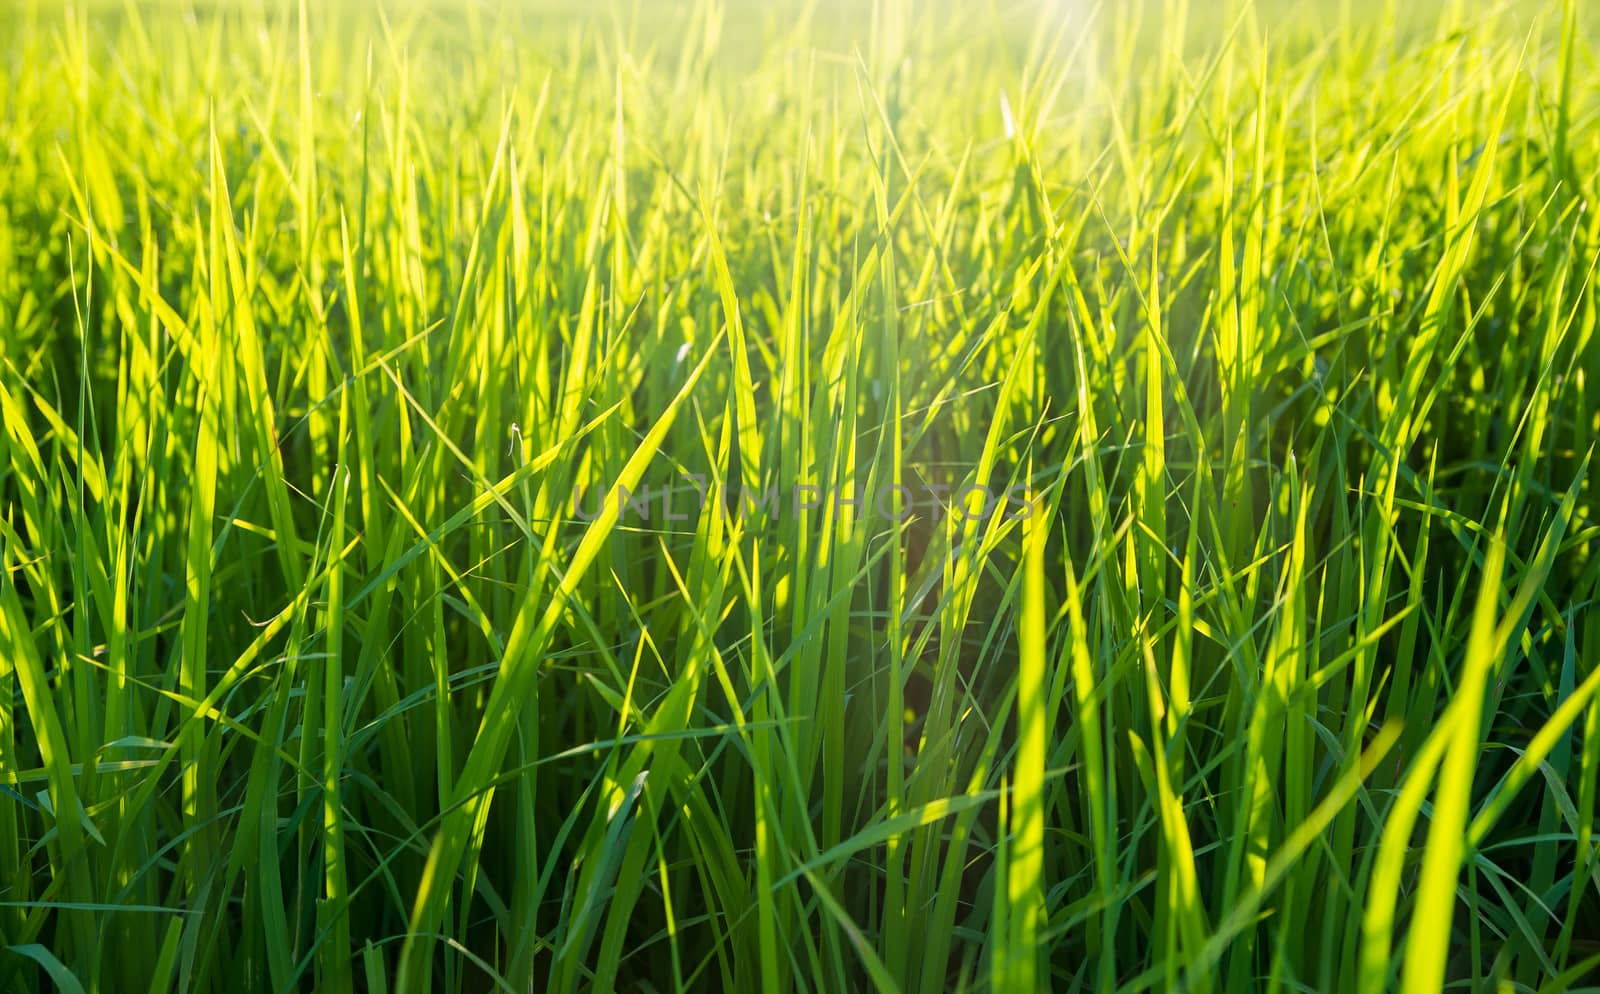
{"type": "Point", "coordinates": [819, 495]}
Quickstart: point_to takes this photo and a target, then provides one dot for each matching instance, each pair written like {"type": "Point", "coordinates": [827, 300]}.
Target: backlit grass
{"type": "Point", "coordinates": [443, 470]}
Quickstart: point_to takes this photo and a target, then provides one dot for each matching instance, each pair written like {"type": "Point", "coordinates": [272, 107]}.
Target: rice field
{"type": "Point", "coordinates": [820, 495]}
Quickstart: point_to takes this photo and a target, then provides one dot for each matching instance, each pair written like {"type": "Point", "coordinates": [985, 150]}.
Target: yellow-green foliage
{"type": "Point", "coordinates": [404, 404]}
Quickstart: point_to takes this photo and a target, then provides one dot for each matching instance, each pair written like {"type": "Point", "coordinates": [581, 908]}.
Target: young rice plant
{"type": "Point", "coordinates": [823, 495]}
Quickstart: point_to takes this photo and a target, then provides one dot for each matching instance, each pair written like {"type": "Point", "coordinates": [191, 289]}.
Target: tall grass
{"type": "Point", "coordinates": [403, 588]}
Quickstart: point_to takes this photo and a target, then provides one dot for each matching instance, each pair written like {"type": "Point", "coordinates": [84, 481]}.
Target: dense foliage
{"type": "Point", "coordinates": [442, 495]}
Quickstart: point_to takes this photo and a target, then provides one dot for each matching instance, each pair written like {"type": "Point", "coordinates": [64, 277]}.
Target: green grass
{"type": "Point", "coordinates": [347, 642]}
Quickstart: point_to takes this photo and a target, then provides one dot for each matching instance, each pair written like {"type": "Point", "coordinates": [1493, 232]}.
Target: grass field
{"type": "Point", "coordinates": [855, 496]}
